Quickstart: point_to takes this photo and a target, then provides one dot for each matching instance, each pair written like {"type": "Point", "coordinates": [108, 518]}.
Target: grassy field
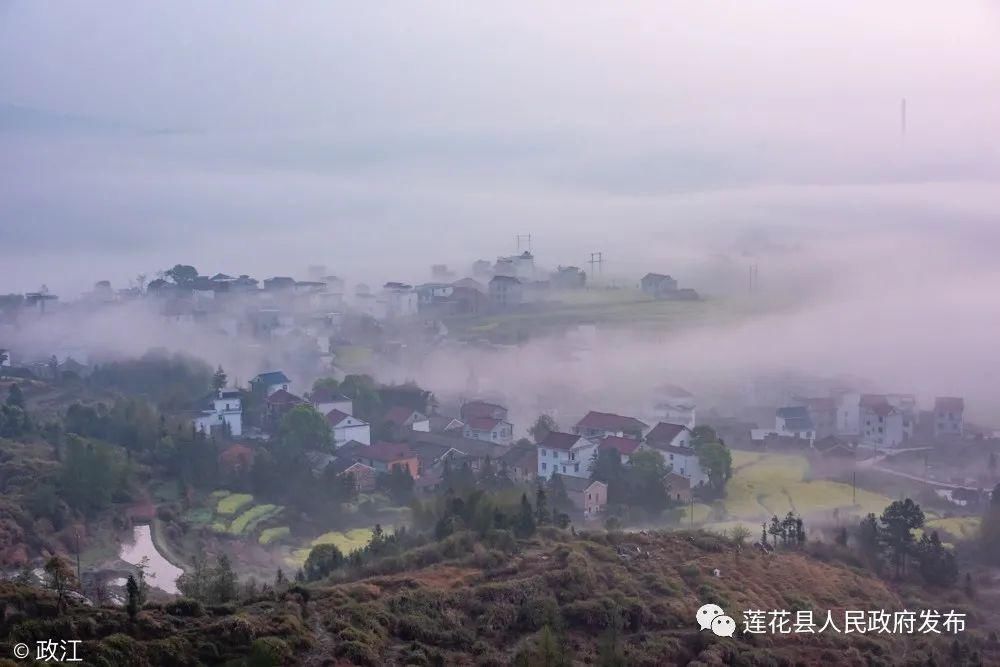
{"type": "Point", "coordinates": [346, 541]}
{"type": "Point", "coordinates": [270, 535]}
{"type": "Point", "coordinates": [233, 503]}
{"type": "Point", "coordinates": [767, 484]}
{"type": "Point", "coordinates": [957, 528]}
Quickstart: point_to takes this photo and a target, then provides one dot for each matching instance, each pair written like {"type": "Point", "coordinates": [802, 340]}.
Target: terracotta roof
{"type": "Point", "coordinates": [872, 400]}
{"type": "Point", "coordinates": [283, 397]}
{"type": "Point", "coordinates": [334, 417]}
{"type": "Point", "coordinates": [948, 404]}
{"type": "Point", "coordinates": [577, 484]}
{"type": "Point", "coordinates": [483, 423]}
{"type": "Point", "coordinates": [665, 433]}
{"type": "Point", "coordinates": [556, 440]}
{"type": "Point", "coordinates": [386, 452]}
{"type": "Point", "coordinates": [480, 409]}
{"type": "Point", "coordinates": [625, 446]}
{"type": "Point", "coordinates": [671, 449]}
{"type": "Point", "coordinates": [399, 415]}
{"type": "Point", "coordinates": [327, 395]}
{"type": "Point", "coordinates": [607, 421]}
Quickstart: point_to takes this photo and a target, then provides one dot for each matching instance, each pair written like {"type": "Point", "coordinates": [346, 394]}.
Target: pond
{"type": "Point", "coordinates": [161, 573]}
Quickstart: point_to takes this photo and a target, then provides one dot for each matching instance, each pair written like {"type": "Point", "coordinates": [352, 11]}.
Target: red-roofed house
{"type": "Point", "coordinates": [664, 434]}
{"type": "Point", "coordinates": [489, 429]}
{"type": "Point", "coordinates": [565, 453]}
{"type": "Point", "coordinates": [278, 403]}
{"type": "Point", "coordinates": [625, 447]}
{"type": "Point", "coordinates": [400, 419]}
{"type": "Point", "coordinates": [346, 428]}
{"type": "Point", "coordinates": [597, 425]}
{"type": "Point", "coordinates": [482, 409]}
{"type": "Point", "coordinates": [384, 456]}
{"type": "Point", "coordinates": [949, 413]}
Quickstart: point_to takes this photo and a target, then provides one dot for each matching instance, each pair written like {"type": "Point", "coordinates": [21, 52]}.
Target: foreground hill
{"type": "Point", "coordinates": [558, 599]}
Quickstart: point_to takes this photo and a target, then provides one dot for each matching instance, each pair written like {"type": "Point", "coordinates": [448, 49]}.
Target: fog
{"type": "Point", "coordinates": [689, 138]}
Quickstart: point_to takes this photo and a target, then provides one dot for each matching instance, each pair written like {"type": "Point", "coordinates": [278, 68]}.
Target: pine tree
{"type": "Point", "coordinates": [132, 607]}
{"type": "Point", "coordinates": [542, 515]}
{"type": "Point", "coordinates": [525, 526]}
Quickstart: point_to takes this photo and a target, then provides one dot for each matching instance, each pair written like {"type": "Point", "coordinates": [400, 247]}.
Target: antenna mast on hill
{"type": "Point", "coordinates": [518, 238]}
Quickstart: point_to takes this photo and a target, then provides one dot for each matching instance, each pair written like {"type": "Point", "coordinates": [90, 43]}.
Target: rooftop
{"type": "Point", "coordinates": [665, 433]}
{"type": "Point", "coordinates": [625, 446]}
{"type": "Point", "coordinates": [557, 440]}
{"type": "Point", "coordinates": [576, 484]}
{"type": "Point", "coordinates": [606, 421]}
{"type": "Point", "coordinates": [271, 377]}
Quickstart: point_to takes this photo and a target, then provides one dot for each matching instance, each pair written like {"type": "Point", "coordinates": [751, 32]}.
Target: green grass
{"type": "Point", "coordinates": [248, 520]}
{"type": "Point", "coordinates": [269, 535]}
{"type": "Point", "coordinates": [200, 516]}
{"type": "Point", "coordinates": [767, 484]}
{"type": "Point", "coordinates": [958, 527]}
{"type": "Point", "coordinates": [218, 494]}
{"type": "Point", "coordinates": [233, 503]}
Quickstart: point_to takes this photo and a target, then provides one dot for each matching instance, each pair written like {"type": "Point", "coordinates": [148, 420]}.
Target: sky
{"type": "Point", "coordinates": [377, 139]}
{"type": "Point", "coordinates": [380, 138]}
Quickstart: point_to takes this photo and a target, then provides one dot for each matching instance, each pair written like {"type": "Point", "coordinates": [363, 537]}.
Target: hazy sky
{"type": "Point", "coordinates": [265, 136]}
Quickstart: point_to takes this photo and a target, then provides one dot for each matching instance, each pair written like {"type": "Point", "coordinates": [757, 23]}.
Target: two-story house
{"type": "Point", "coordinates": [345, 428]}
{"type": "Point", "coordinates": [794, 422]}
{"type": "Point", "coordinates": [684, 462]}
{"type": "Point", "coordinates": [589, 496]}
{"type": "Point", "coordinates": [224, 409]}
{"type": "Point", "coordinates": [881, 423]}
{"type": "Point", "coordinates": [949, 414]}
{"type": "Point", "coordinates": [664, 434]}
{"type": "Point", "coordinates": [597, 425]}
{"type": "Point", "coordinates": [270, 382]}
{"type": "Point", "coordinates": [565, 453]}
{"type": "Point", "coordinates": [492, 430]}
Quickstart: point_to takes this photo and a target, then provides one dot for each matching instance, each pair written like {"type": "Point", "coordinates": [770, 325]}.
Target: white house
{"type": "Point", "coordinates": [949, 416]}
{"type": "Point", "coordinates": [225, 408]}
{"type": "Point", "coordinates": [497, 431]}
{"type": "Point", "coordinates": [794, 422]}
{"type": "Point", "coordinates": [566, 454]}
{"type": "Point", "coordinates": [270, 382]}
{"type": "Point", "coordinates": [684, 462]}
{"type": "Point", "coordinates": [848, 414]}
{"type": "Point", "coordinates": [400, 300]}
{"type": "Point", "coordinates": [881, 423]}
{"type": "Point", "coordinates": [346, 428]}
{"type": "Point", "coordinates": [669, 435]}
{"type": "Point", "coordinates": [325, 400]}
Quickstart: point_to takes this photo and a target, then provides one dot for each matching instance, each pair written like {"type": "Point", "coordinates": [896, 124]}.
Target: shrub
{"type": "Point", "coordinates": [233, 503]}
{"type": "Point", "coordinates": [268, 652]}
{"type": "Point", "coordinates": [185, 607]}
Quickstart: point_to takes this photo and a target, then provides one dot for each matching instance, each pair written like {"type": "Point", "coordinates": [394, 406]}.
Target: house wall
{"type": "Point", "coordinates": [592, 501]}
{"type": "Point", "coordinates": [849, 414]}
{"type": "Point", "coordinates": [351, 430]}
{"type": "Point", "coordinates": [233, 419]}
{"type": "Point", "coordinates": [948, 423]}
{"type": "Point", "coordinates": [575, 463]}
{"type": "Point", "coordinates": [503, 434]}
{"type": "Point", "coordinates": [891, 433]}
{"type": "Point", "coordinates": [686, 466]}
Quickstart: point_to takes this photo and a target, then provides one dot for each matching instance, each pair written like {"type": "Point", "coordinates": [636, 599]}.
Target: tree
{"type": "Point", "coordinates": [524, 527]}
{"type": "Point", "coordinates": [219, 380]}
{"type": "Point", "coordinates": [739, 534]}
{"type": "Point", "coordinates": [225, 584]}
{"type": "Point", "coordinates": [15, 397]}
{"type": "Point", "coordinates": [132, 607]}
{"type": "Point", "coordinates": [398, 484]}
{"type": "Point", "coordinates": [325, 384]}
{"type": "Point", "coordinates": [610, 648]}
{"type": "Point", "coordinates": [777, 530]}
{"type": "Point", "coordinates": [717, 462]}
{"type": "Point", "coordinates": [703, 435]}
{"type": "Point", "coordinates": [606, 467]}
{"type": "Point", "coordinates": [182, 274]}
{"type": "Point", "coordinates": [363, 391]}
{"type": "Point", "coordinates": [898, 522]}
{"type": "Point", "coordinates": [544, 425]}
{"type": "Point", "coordinates": [989, 528]}
{"type": "Point", "coordinates": [644, 479]}
{"type": "Point", "coordinates": [303, 428]}
{"type": "Point", "coordinates": [323, 559]}
{"type": "Point", "coordinates": [870, 536]}
{"type": "Point", "coordinates": [542, 515]}
{"type": "Point", "coordinates": [60, 578]}
{"type": "Point", "coordinates": [558, 496]}
{"type": "Point", "coordinates": [937, 564]}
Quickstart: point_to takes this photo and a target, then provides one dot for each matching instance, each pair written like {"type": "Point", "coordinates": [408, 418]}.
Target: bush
{"type": "Point", "coordinates": [184, 607]}
{"type": "Point", "coordinates": [268, 652]}
{"type": "Point", "coordinates": [356, 652]}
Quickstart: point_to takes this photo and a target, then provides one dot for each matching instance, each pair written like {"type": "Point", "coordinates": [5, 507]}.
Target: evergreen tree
{"type": "Point", "coordinates": [132, 588]}
{"type": "Point", "coordinates": [542, 515]}
{"type": "Point", "coordinates": [15, 397]}
{"type": "Point", "coordinates": [525, 524]}
{"type": "Point", "coordinates": [219, 379]}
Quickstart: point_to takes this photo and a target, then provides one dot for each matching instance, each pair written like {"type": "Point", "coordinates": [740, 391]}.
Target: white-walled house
{"type": "Point", "coordinates": [326, 400]}
{"type": "Point", "coordinates": [270, 382]}
{"type": "Point", "coordinates": [684, 462]}
{"type": "Point", "coordinates": [225, 408]}
{"type": "Point", "coordinates": [669, 435]}
{"type": "Point", "coordinates": [848, 414]}
{"type": "Point", "coordinates": [346, 428]}
{"type": "Point", "coordinates": [400, 300]}
{"type": "Point", "coordinates": [795, 422]}
{"type": "Point", "coordinates": [949, 416]}
{"type": "Point", "coordinates": [497, 431]}
{"type": "Point", "coordinates": [566, 454]}
{"type": "Point", "coordinates": [881, 423]}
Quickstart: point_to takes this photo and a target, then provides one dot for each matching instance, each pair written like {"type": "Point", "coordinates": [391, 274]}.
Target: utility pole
{"type": "Point", "coordinates": [598, 259]}
{"type": "Point", "coordinates": [854, 487]}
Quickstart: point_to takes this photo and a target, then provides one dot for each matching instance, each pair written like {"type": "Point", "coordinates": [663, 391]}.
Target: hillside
{"type": "Point", "coordinates": [464, 602]}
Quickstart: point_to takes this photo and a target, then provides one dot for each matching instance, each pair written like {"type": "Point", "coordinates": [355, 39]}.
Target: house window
{"type": "Point", "coordinates": [588, 496]}
{"type": "Point", "coordinates": [564, 468]}
{"type": "Point", "coordinates": [543, 452]}
{"type": "Point", "coordinates": [544, 465]}
{"type": "Point", "coordinates": [576, 468]}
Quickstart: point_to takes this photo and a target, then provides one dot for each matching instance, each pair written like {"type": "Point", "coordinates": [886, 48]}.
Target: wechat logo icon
{"type": "Point", "coordinates": [712, 617]}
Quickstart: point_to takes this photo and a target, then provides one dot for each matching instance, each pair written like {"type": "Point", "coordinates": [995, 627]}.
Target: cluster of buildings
{"type": "Point", "coordinates": [876, 421]}
{"type": "Point", "coordinates": [481, 434]}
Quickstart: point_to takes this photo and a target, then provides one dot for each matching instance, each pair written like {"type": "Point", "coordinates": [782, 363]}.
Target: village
{"type": "Point", "coordinates": [382, 445]}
